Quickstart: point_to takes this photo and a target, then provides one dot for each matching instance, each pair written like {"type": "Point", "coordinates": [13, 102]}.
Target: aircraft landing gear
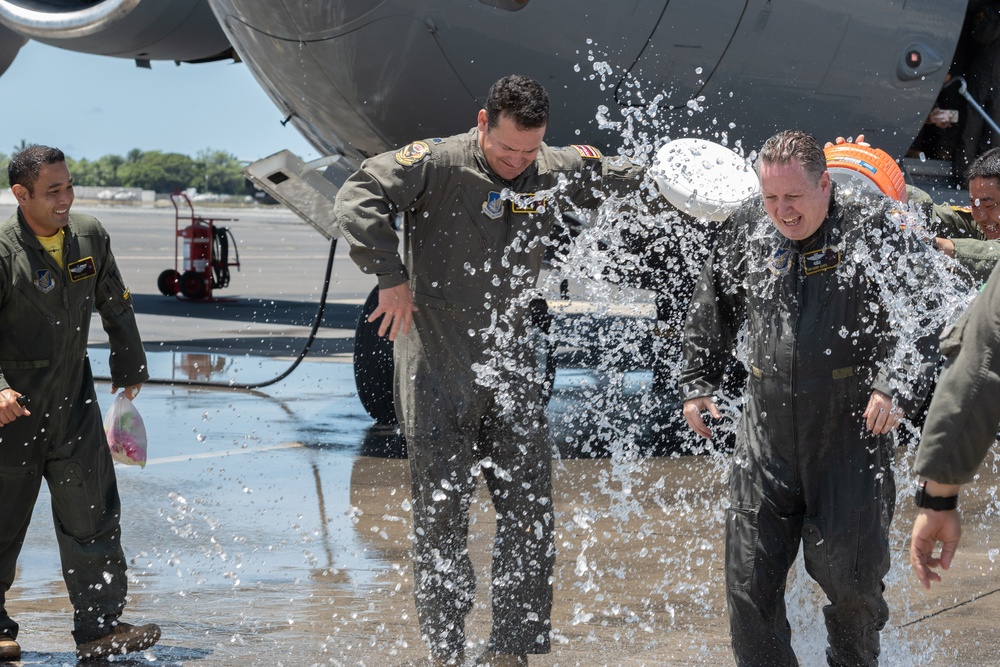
{"type": "Point", "coordinates": [373, 366]}
{"type": "Point", "coordinates": [373, 363]}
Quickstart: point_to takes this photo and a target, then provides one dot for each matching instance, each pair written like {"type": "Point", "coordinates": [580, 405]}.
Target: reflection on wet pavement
{"type": "Point", "coordinates": [264, 532]}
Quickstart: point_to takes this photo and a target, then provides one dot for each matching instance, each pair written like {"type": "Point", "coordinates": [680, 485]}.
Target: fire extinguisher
{"type": "Point", "coordinates": [196, 279]}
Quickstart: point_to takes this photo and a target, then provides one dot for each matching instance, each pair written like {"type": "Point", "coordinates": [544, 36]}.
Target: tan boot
{"type": "Point", "coordinates": [494, 659]}
{"type": "Point", "coordinates": [9, 650]}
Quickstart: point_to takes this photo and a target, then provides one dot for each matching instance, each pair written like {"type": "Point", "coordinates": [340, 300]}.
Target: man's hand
{"type": "Point", "coordinates": [929, 528]}
{"type": "Point", "coordinates": [947, 246]}
{"type": "Point", "coordinates": [849, 140]}
{"type": "Point", "coordinates": [130, 392]}
{"type": "Point", "coordinates": [881, 416]}
{"type": "Point", "coordinates": [940, 118]}
{"type": "Point", "coordinates": [395, 307]}
{"type": "Point", "coordinates": [10, 409]}
{"type": "Point", "coordinates": [692, 413]}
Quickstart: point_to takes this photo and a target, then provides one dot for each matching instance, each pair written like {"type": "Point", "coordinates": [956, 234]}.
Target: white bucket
{"type": "Point", "coordinates": [703, 179]}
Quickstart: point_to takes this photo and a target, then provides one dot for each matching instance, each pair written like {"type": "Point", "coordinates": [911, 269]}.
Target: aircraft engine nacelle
{"type": "Point", "coordinates": [144, 30]}
{"type": "Point", "coordinates": [10, 45]}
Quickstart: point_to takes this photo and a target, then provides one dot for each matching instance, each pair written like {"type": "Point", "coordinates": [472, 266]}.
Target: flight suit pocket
{"type": "Point", "coordinates": [77, 498]}
{"type": "Point", "coordinates": [742, 536]}
{"type": "Point", "coordinates": [20, 483]}
{"type": "Point", "coordinates": [871, 562]}
{"type": "Point", "coordinates": [951, 338]}
{"type": "Point", "coordinates": [115, 292]}
{"type": "Point", "coordinates": [23, 365]}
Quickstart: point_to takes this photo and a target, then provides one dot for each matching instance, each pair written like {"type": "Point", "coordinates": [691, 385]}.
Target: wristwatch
{"type": "Point", "coordinates": [937, 503]}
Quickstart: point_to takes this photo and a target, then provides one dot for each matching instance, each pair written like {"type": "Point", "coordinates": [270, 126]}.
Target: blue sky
{"type": "Point", "coordinates": [90, 106]}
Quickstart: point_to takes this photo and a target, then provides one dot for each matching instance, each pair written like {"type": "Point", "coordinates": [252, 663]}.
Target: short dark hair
{"type": "Point", "coordinates": [795, 145]}
{"type": "Point", "coordinates": [520, 97]}
{"type": "Point", "coordinates": [24, 167]}
{"type": "Point", "coordinates": [986, 165]}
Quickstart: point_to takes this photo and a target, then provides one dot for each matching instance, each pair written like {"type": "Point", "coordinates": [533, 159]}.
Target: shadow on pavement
{"type": "Point", "coordinates": [255, 310]}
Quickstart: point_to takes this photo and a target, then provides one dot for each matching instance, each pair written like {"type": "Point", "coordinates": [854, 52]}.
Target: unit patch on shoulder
{"type": "Point", "coordinates": [81, 269]}
{"type": "Point", "coordinates": [493, 206]}
{"type": "Point", "coordinates": [43, 281]}
{"type": "Point", "coordinates": [413, 153]}
{"type": "Point", "coordinates": [587, 151]}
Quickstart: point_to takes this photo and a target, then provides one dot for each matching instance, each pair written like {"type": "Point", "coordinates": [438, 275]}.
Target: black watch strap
{"type": "Point", "coordinates": [926, 501]}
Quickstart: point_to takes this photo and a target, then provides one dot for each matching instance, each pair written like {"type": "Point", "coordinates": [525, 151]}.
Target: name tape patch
{"type": "Point", "coordinates": [82, 269]}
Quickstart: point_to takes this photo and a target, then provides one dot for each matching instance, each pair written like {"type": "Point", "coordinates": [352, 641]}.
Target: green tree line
{"type": "Point", "coordinates": [210, 171]}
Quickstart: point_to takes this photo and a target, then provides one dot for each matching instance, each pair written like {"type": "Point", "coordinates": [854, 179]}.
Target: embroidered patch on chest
{"type": "Point", "coordinates": [493, 206]}
{"type": "Point", "coordinates": [778, 264]}
{"type": "Point", "coordinates": [82, 269]}
{"type": "Point", "coordinates": [526, 203]}
{"type": "Point", "coordinates": [44, 281]}
{"type": "Point", "coordinates": [823, 259]}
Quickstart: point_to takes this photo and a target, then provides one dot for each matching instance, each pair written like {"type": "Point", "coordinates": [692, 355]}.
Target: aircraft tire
{"type": "Point", "coordinates": [192, 285]}
{"type": "Point", "coordinates": [373, 366]}
{"type": "Point", "coordinates": [168, 282]}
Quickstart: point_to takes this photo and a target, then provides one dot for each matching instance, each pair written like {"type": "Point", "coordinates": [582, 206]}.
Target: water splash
{"type": "Point", "coordinates": [629, 260]}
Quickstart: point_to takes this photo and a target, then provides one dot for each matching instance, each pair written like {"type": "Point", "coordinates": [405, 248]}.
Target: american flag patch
{"type": "Point", "coordinates": [587, 151]}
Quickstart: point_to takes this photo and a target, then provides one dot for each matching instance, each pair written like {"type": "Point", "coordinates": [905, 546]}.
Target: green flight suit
{"type": "Point", "coordinates": [972, 250]}
{"type": "Point", "coordinates": [472, 243]}
{"type": "Point", "coordinates": [45, 313]}
{"type": "Point", "coordinates": [964, 414]}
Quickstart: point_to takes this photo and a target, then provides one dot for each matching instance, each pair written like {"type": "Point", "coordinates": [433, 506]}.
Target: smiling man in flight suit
{"type": "Point", "coordinates": [55, 268]}
{"type": "Point", "coordinates": [813, 450]}
{"type": "Point", "coordinates": [478, 209]}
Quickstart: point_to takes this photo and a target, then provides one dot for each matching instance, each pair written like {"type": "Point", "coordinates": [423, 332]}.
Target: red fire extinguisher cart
{"type": "Point", "coordinates": [203, 263]}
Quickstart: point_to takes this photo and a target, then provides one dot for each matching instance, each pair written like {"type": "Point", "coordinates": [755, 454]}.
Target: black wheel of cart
{"type": "Point", "coordinates": [168, 282]}
{"type": "Point", "coordinates": [192, 285]}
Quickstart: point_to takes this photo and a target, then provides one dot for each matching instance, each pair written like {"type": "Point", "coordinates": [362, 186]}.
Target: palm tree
{"type": "Point", "coordinates": [114, 161]}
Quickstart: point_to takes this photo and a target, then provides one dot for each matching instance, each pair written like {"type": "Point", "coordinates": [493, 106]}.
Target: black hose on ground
{"type": "Point", "coordinates": [257, 385]}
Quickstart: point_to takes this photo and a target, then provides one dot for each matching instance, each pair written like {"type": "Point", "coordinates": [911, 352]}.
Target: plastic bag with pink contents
{"type": "Point", "coordinates": [126, 432]}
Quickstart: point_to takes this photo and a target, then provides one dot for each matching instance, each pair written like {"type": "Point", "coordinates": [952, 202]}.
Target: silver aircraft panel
{"type": "Point", "coordinates": [364, 78]}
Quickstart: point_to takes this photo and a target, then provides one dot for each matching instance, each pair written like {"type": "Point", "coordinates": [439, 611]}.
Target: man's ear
{"type": "Point", "coordinates": [20, 193]}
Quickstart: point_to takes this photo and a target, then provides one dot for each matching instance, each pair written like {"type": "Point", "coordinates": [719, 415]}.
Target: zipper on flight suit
{"type": "Point", "coordinates": [798, 285]}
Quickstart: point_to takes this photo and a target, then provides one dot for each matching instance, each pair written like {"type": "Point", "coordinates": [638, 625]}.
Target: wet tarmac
{"type": "Point", "coordinates": [270, 526]}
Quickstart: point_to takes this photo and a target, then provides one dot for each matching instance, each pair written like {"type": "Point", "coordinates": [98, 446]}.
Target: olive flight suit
{"type": "Point", "coordinates": [472, 243]}
{"type": "Point", "coordinates": [45, 315]}
{"type": "Point", "coordinates": [973, 251]}
{"type": "Point", "coordinates": [964, 414]}
{"type": "Point", "coordinates": [805, 468]}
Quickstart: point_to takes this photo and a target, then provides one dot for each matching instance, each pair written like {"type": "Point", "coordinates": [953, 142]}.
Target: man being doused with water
{"type": "Point", "coordinates": [832, 371]}
{"type": "Point", "coordinates": [478, 209]}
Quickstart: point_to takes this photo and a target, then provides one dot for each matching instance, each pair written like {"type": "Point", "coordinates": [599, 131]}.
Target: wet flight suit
{"type": "Point", "coordinates": [469, 251]}
{"type": "Point", "coordinates": [45, 315]}
{"type": "Point", "coordinates": [805, 468]}
{"type": "Point", "coordinates": [964, 414]}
